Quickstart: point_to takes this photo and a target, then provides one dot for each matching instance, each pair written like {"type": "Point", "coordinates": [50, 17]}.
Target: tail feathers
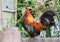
{"type": "Point", "coordinates": [49, 12]}
{"type": "Point", "coordinates": [47, 17]}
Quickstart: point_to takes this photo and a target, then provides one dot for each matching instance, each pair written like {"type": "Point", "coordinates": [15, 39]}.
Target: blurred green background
{"type": "Point", "coordinates": [35, 8]}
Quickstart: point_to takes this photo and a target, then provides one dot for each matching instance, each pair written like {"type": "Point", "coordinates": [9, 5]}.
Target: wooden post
{"type": "Point", "coordinates": [10, 35]}
{"type": "Point", "coordinates": [15, 5]}
{"type": "Point", "coordinates": [40, 40]}
{"type": "Point", "coordinates": [1, 19]}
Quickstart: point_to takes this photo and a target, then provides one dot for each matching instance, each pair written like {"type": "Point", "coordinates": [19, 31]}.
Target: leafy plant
{"type": "Point", "coordinates": [49, 4]}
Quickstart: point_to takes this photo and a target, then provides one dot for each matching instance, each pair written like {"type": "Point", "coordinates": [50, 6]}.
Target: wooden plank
{"type": "Point", "coordinates": [15, 11]}
{"type": "Point", "coordinates": [40, 40]}
{"type": "Point", "coordinates": [11, 35]}
{"type": "Point", "coordinates": [1, 22]}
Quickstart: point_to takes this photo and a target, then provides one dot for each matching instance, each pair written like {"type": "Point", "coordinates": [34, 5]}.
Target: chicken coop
{"type": "Point", "coordinates": [11, 16]}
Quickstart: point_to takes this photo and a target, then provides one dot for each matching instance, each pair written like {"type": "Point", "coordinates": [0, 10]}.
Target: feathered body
{"type": "Point", "coordinates": [33, 27]}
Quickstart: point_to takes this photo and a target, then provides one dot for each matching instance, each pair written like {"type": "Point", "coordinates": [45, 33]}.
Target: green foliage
{"type": "Point", "coordinates": [58, 3]}
{"type": "Point", "coordinates": [48, 31]}
{"type": "Point", "coordinates": [58, 9]}
{"type": "Point", "coordinates": [10, 21]}
{"type": "Point", "coordinates": [21, 4]}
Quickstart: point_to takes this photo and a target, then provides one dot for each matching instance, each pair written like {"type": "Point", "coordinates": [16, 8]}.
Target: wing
{"type": "Point", "coordinates": [29, 28]}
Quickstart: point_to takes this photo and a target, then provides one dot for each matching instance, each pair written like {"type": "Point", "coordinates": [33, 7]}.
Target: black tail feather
{"type": "Point", "coordinates": [47, 17]}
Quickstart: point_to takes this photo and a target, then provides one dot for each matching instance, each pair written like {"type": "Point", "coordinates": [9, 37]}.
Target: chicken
{"type": "Point", "coordinates": [32, 27]}
{"type": "Point", "coordinates": [28, 21]}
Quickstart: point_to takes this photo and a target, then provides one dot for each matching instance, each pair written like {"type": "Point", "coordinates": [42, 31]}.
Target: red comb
{"type": "Point", "coordinates": [27, 10]}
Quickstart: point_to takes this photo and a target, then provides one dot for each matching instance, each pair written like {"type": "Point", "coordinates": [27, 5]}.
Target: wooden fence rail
{"type": "Point", "coordinates": [40, 40]}
{"type": "Point", "coordinates": [13, 35]}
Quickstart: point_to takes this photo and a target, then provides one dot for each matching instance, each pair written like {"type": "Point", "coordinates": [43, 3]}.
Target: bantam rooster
{"type": "Point", "coordinates": [32, 27]}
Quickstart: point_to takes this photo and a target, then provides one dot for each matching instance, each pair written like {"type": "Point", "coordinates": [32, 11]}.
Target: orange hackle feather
{"type": "Point", "coordinates": [28, 17]}
{"type": "Point", "coordinates": [38, 26]}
